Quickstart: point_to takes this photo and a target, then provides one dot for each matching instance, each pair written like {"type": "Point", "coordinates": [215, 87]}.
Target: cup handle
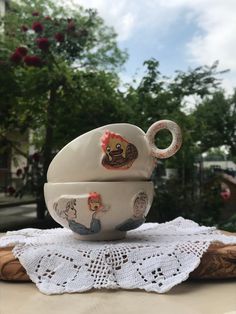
{"type": "Point", "coordinates": [176, 138]}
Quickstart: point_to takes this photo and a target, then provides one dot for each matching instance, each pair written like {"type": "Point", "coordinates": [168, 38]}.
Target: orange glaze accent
{"type": "Point", "coordinates": [95, 199]}
{"type": "Point", "coordinates": [110, 135]}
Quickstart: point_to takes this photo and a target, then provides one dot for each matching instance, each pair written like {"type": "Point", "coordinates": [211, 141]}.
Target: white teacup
{"type": "Point", "coordinates": [99, 210]}
{"type": "Point", "coordinates": [114, 152]}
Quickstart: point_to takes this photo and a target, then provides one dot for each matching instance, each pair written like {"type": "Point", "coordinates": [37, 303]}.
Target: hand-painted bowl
{"type": "Point", "coordinates": [99, 210]}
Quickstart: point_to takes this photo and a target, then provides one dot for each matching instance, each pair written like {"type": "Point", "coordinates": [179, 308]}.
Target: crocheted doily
{"type": "Point", "coordinates": [154, 257]}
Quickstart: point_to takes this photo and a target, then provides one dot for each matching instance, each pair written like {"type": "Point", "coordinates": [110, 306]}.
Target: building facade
{"type": "Point", "coordinates": [2, 7]}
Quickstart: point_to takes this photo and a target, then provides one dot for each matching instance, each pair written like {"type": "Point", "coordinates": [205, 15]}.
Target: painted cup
{"type": "Point", "coordinates": [99, 210]}
{"type": "Point", "coordinates": [98, 184]}
{"type": "Point", "coordinates": [114, 152]}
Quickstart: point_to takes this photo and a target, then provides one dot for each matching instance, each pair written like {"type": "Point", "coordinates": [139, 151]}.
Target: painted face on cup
{"type": "Point", "coordinates": [67, 210]}
{"type": "Point", "coordinates": [118, 152]}
{"type": "Point", "coordinates": [70, 213]}
{"type": "Point", "coordinates": [95, 202]}
{"type": "Point", "coordinates": [140, 204]}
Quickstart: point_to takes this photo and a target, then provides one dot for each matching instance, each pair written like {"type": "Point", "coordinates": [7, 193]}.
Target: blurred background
{"type": "Point", "coordinates": [69, 67]}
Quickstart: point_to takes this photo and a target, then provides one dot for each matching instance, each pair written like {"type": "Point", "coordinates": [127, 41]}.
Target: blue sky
{"type": "Point", "coordinates": [178, 33]}
{"type": "Point", "coordinates": [169, 48]}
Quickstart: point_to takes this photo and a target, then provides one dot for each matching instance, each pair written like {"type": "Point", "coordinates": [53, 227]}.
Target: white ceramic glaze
{"type": "Point", "coordinates": [99, 210]}
{"type": "Point", "coordinates": [98, 184]}
{"type": "Point", "coordinates": [87, 158]}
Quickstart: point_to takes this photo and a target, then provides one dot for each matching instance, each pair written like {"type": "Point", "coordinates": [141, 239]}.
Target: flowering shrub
{"type": "Point", "coordinates": [37, 27]}
{"type": "Point", "coordinates": [50, 37]}
{"type": "Point", "coordinates": [10, 190]}
{"type": "Point", "coordinates": [43, 43]}
{"type": "Point", "coordinates": [56, 34]}
{"type": "Point", "coordinates": [60, 37]}
{"type": "Point", "coordinates": [34, 61]}
{"type": "Point", "coordinates": [22, 51]}
{"type": "Point", "coordinates": [45, 54]}
{"type": "Point", "coordinates": [16, 57]}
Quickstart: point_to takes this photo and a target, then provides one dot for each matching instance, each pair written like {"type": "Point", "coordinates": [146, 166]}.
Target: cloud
{"type": "Point", "coordinates": [214, 26]}
{"type": "Point", "coordinates": [216, 21]}
{"type": "Point", "coordinates": [131, 16]}
{"type": "Point", "coordinates": [114, 15]}
{"type": "Point", "coordinates": [215, 38]}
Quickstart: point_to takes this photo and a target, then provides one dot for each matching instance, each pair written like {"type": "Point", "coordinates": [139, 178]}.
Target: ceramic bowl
{"type": "Point", "coordinates": [99, 210]}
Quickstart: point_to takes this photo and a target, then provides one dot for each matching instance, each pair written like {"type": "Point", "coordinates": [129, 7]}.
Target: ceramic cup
{"type": "Point", "coordinates": [114, 152]}
{"type": "Point", "coordinates": [99, 210]}
{"type": "Point", "coordinates": [98, 184]}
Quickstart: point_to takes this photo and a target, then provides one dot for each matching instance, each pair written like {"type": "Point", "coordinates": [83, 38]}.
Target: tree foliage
{"type": "Point", "coordinates": [55, 63]}
{"type": "Point", "coordinates": [215, 120]}
{"type": "Point", "coordinates": [58, 77]}
{"type": "Point", "coordinates": [211, 124]}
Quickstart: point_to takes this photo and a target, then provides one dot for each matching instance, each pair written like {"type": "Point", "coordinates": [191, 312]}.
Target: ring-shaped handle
{"type": "Point", "coordinates": [176, 138]}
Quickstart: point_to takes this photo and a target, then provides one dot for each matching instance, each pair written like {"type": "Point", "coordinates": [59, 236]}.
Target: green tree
{"type": "Point", "coordinates": [55, 63]}
{"type": "Point", "coordinates": [159, 97]}
{"type": "Point", "coordinates": [215, 120]}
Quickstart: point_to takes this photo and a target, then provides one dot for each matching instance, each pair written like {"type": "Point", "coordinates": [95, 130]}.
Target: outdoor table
{"type": "Point", "coordinates": [191, 297]}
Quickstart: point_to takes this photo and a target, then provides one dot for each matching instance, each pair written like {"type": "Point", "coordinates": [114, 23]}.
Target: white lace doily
{"type": "Point", "coordinates": [154, 257]}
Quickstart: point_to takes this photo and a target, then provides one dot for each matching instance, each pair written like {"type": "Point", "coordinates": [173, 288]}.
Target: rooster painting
{"type": "Point", "coordinates": [119, 153]}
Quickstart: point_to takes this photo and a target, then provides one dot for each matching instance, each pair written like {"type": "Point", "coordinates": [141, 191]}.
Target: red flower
{"type": "Point", "coordinates": [11, 190]}
{"type": "Point", "coordinates": [37, 27]}
{"type": "Point", "coordinates": [22, 51]}
{"type": "Point", "coordinates": [48, 18]}
{"type": "Point", "coordinates": [71, 26]}
{"type": "Point", "coordinates": [60, 37]}
{"type": "Point", "coordinates": [35, 13]}
{"type": "Point", "coordinates": [16, 57]}
{"type": "Point", "coordinates": [225, 194]}
{"type": "Point", "coordinates": [24, 28]}
{"type": "Point", "coordinates": [43, 43]}
{"type": "Point", "coordinates": [33, 61]}
{"type": "Point", "coordinates": [19, 172]}
{"type": "Point", "coordinates": [36, 157]}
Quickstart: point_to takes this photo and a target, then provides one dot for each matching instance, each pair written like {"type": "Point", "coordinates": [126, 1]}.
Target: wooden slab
{"type": "Point", "coordinates": [219, 262]}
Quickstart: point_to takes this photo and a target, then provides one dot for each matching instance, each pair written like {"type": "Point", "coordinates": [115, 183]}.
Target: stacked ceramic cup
{"type": "Point", "coordinates": [99, 184]}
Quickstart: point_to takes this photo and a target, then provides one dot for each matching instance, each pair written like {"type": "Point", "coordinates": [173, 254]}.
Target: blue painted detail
{"type": "Point", "coordinates": [95, 227]}
{"type": "Point", "coordinates": [130, 224]}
